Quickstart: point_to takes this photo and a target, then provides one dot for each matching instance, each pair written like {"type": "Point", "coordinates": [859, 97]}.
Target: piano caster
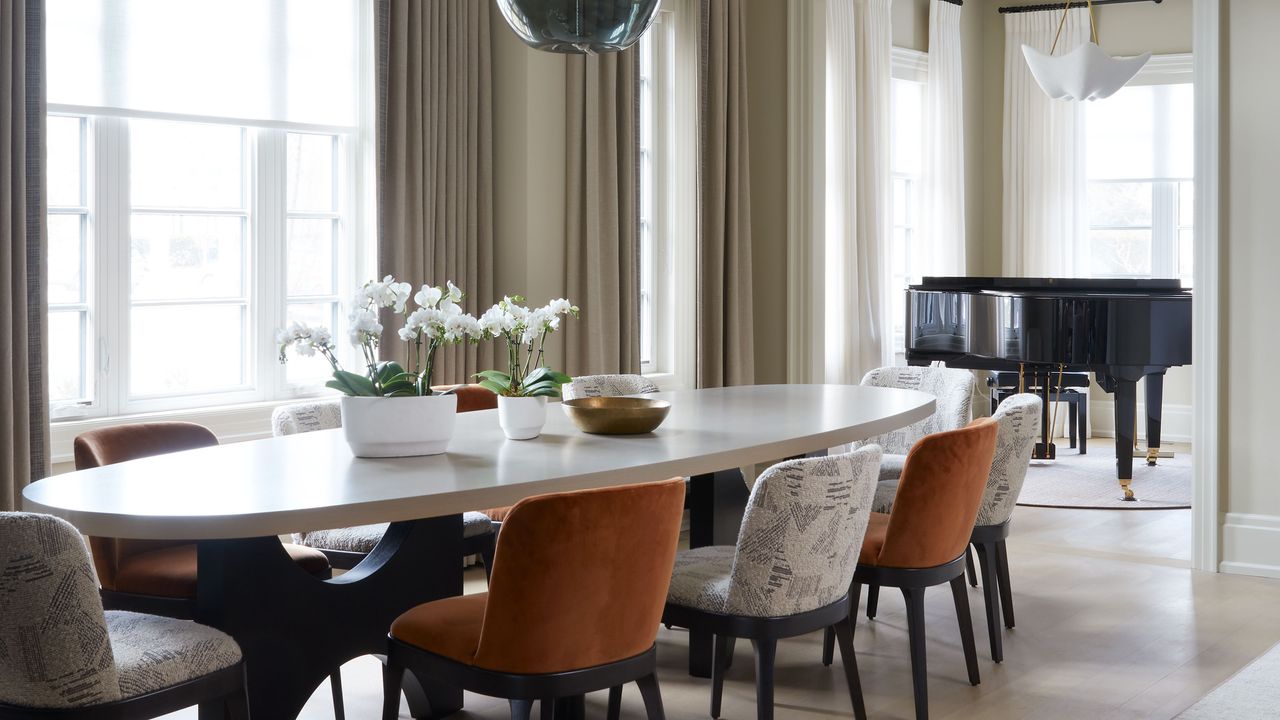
{"type": "Point", "coordinates": [1155, 453]}
{"type": "Point", "coordinates": [1128, 492]}
{"type": "Point", "coordinates": [1045, 452]}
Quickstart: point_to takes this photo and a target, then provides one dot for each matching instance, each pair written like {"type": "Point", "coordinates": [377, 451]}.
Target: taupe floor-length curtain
{"type": "Point", "coordinates": [725, 342]}
{"type": "Point", "coordinates": [435, 162]}
{"type": "Point", "coordinates": [602, 212]}
{"type": "Point", "coordinates": [24, 412]}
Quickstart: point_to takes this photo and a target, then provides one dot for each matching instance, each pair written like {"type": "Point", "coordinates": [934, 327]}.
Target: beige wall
{"type": "Point", "coordinates": [1250, 255]}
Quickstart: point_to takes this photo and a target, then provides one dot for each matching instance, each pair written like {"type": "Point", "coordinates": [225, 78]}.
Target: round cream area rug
{"type": "Point", "coordinates": [1089, 481]}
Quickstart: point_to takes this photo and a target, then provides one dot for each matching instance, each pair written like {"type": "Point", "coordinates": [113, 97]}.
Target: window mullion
{"type": "Point", "coordinates": [1164, 229]}
{"type": "Point", "coordinates": [111, 262]}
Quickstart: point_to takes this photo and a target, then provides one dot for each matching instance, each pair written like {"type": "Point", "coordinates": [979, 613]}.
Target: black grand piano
{"type": "Point", "coordinates": [1121, 330]}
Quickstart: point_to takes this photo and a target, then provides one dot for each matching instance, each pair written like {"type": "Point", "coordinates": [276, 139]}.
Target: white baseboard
{"type": "Point", "coordinates": [1251, 545]}
{"type": "Point", "coordinates": [1176, 421]}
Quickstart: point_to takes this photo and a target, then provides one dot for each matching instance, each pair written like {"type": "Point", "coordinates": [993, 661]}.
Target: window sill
{"type": "Point", "coordinates": [231, 423]}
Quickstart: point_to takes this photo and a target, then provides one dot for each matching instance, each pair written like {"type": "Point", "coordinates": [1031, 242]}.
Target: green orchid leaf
{"type": "Point", "coordinates": [352, 384]}
{"type": "Point", "coordinates": [493, 387]}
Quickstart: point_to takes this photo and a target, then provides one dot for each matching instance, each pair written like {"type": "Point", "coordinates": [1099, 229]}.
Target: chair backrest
{"type": "Point", "coordinates": [608, 386]}
{"type": "Point", "coordinates": [327, 414]}
{"type": "Point", "coordinates": [580, 578]}
{"type": "Point", "coordinates": [55, 651]}
{"type": "Point", "coordinates": [938, 495]}
{"type": "Point", "coordinates": [952, 388]}
{"type": "Point", "coordinates": [1018, 418]}
{"type": "Point", "coordinates": [112, 445]}
{"type": "Point", "coordinates": [800, 537]}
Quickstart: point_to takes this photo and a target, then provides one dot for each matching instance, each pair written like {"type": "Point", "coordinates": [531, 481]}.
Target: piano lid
{"type": "Point", "coordinates": [1106, 286]}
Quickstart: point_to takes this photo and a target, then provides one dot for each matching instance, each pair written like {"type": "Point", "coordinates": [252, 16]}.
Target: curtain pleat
{"type": "Point", "coordinates": [859, 56]}
{"type": "Point", "coordinates": [24, 410]}
{"type": "Point", "coordinates": [1044, 173]}
{"type": "Point", "coordinates": [941, 245]}
{"type": "Point", "coordinates": [725, 333]}
{"type": "Point", "coordinates": [435, 161]}
{"type": "Point", "coordinates": [602, 212]}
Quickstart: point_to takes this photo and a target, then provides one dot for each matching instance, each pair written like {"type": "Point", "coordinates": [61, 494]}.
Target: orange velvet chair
{"type": "Point", "coordinates": [159, 576]}
{"type": "Point", "coordinates": [922, 541]}
{"type": "Point", "coordinates": [576, 593]}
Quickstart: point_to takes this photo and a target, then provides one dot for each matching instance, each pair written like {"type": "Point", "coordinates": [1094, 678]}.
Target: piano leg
{"type": "Point", "coordinates": [1126, 415]}
{"type": "Point", "coordinates": [1155, 399]}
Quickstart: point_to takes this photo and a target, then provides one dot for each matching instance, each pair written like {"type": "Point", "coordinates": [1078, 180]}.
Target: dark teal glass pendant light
{"type": "Point", "coordinates": [579, 26]}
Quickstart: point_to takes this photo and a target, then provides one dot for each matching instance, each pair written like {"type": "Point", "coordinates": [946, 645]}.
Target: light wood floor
{"type": "Point", "coordinates": [1111, 624]}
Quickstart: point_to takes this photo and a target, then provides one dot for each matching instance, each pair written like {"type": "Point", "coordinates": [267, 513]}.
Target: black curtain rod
{"type": "Point", "coordinates": [1060, 5]}
{"type": "Point", "coordinates": [955, 2]}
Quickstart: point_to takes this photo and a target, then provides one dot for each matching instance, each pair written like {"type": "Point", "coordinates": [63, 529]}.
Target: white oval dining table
{"type": "Point", "coordinates": [234, 500]}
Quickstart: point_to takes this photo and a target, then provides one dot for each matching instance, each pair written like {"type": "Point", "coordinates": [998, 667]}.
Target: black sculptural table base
{"type": "Point", "coordinates": [295, 630]}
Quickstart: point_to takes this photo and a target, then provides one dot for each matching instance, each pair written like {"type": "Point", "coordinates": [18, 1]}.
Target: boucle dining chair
{"type": "Point", "coordinates": [62, 656]}
{"type": "Point", "coordinates": [1018, 421]}
{"type": "Point", "coordinates": [608, 386]}
{"type": "Point", "coordinates": [790, 572]}
{"type": "Point", "coordinates": [953, 390]}
{"type": "Point", "coordinates": [922, 542]}
{"type": "Point", "coordinates": [346, 547]}
{"type": "Point", "coordinates": [573, 605]}
{"type": "Point", "coordinates": [159, 576]}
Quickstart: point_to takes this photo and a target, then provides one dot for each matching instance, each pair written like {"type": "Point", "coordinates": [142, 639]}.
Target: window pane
{"type": "Point", "coordinates": [64, 155]}
{"type": "Point", "coordinates": [310, 257]}
{"type": "Point", "coordinates": [66, 355]}
{"type": "Point", "coordinates": [186, 349]}
{"type": "Point", "coordinates": [310, 173]}
{"type": "Point", "coordinates": [1120, 204]}
{"type": "Point", "coordinates": [1186, 257]}
{"type": "Point", "coordinates": [179, 165]}
{"type": "Point", "coordinates": [66, 243]}
{"type": "Point", "coordinates": [187, 256]}
{"type": "Point", "coordinates": [1121, 252]}
{"type": "Point", "coordinates": [1186, 203]}
{"type": "Point", "coordinates": [315, 369]}
{"type": "Point", "coordinates": [907, 132]}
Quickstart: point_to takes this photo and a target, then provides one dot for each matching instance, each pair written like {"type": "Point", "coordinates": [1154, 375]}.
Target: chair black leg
{"type": "Point", "coordinates": [520, 709]}
{"type": "Point", "coordinates": [968, 566]}
{"type": "Point", "coordinates": [1002, 576]}
{"type": "Point", "coordinates": [335, 685]}
{"type": "Point", "coordinates": [615, 703]}
{"type": "Point", "coordinates": [766, 655]}
{"type": "Point", "coordinates": [546, 709]}
{"type": "Point", "coordinates": [987, 558]}
{"type": "Point", "coordinates": [213, 709]}
{"type": "Point", "coordinates": [1084, 425]}
{"type": "Point", "coordinates": [873, 599]}
{"type": "Point", "coordinates": [392, 677]}
{"type": "Point", "coordinates": [915, 631]}
{"type": "Point", "coordinates": [486, 554]}
{"type": "Point", "coordinates": [719, 664]}
{"type": "Point", "coordinates": [961, 595]}
{"type": "Point", "coordinates": [828, 646]}
{"type": "Point", "coordinates": [237, 705]}
{"type": "Point", "coordinates": [652, 697]}
{"type": "Point", "coordinates": [844, 631]}
{"type": "Point", "coordinates": [1073, 411]}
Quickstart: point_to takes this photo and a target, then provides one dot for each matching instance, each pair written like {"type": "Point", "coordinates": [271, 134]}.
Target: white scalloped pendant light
{"type": "Point", "coordinates": [1086, 73]}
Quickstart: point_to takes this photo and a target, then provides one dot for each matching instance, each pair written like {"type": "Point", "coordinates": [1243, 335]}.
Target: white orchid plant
{"type": "Point", "coordinates": [525, 332]}
{"type": "Point", "coordinates": [437, 321]}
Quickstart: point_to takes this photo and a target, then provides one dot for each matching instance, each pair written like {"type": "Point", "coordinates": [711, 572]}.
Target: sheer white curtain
{"type": "Point", "coordinates": [1044, 168]}
{"type": "Point", "coordinates": [858, 335]}
{"type": "Point", "coordinates": [942, 240]}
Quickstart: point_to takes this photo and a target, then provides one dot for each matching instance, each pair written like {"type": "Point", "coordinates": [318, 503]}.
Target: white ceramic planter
{"type": "Point", "coordinates": [522, 418]}
{"type": "Point", "coordinates": [399, 426]}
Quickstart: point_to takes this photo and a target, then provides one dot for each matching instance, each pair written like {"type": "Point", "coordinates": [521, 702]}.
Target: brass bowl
{"type": "Point", "coordinates": [617, 415]}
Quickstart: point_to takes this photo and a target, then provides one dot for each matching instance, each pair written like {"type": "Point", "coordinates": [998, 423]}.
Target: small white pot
{"type": "Point", "coordinates": [522, 418]}
{"type": "Point", "coordinates": [399, 426]}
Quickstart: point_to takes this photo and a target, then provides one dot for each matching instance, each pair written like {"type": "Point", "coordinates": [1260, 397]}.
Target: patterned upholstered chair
{"type": "Point", "coordinates": [62, 656]}
{"type": "Point", "coordinates": [573, 606]}
{"type": "Point", "coordinates": [608, 386]}
{"type": "Point", "coordinates": [790, 572]}
{"type": "Point", "coordinates": [346, 547]}
{"type": "Point", "coordinates": [922, 543]}
{"type": "Point", "coordinates": [954, 392]}
{"type": "Point", "coordinates": [1018, 418]}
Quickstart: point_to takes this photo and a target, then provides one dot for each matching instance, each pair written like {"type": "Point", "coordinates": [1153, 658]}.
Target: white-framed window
{"type": "Point", "coordinates": [182, 237]}
{"type": "Point", "coordinates": [668, 211]}
{"type": "Point", "coordinates": [1139, 150]}
{"type": "Point", "coordinates": [910, 72]}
